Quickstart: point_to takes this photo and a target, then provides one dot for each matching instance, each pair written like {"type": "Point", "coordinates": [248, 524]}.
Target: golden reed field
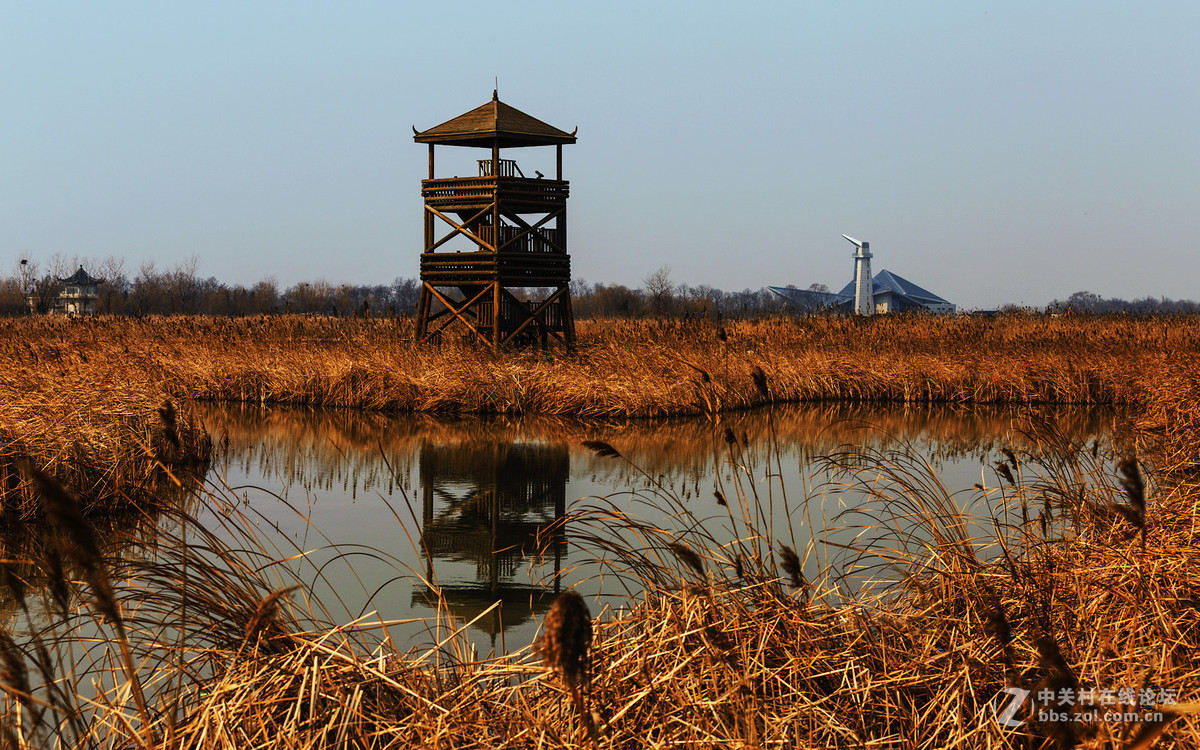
{"type": "Point", "coordinates": [1093, 590]}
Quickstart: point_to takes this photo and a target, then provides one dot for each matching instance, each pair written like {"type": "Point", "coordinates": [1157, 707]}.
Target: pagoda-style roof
{"type": "Point", "coordinates": [81, 278]}
{"type": "Point", "coordinates": [483, 125]}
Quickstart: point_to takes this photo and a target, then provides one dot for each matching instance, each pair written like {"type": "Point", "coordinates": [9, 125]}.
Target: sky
{"type": "Point", "coordinates": [1005, 154]}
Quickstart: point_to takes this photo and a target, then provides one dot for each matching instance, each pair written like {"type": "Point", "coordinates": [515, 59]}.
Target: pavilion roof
{"type": "Point", "coordinates": [495, 120]}
{"type": "Point", "coordinates": [81, 278]}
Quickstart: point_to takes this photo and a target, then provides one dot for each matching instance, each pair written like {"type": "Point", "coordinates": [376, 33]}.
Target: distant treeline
{"type": "Point", "coordinates": [180, 290]}
{"type": "Point", "coordinates": [1088, 302]}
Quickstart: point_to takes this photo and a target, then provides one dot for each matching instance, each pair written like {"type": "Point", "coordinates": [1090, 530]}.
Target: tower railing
{"type": "Point", "coordinates": [508, 168]}
{"type": "Point", "coordinates": [443, 193]}
{"type": "Point", "coordinates": [512, 241]}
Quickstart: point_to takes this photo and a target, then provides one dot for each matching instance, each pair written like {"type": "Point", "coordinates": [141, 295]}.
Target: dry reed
{"type": "Point", "coordinates": [625, 368]}
{"type": "Point", "coordinates": [96, 420]}
{"type": "Point", "coordinates": [715, 650]}
{"type": "Point", "coordinates": [78, 397]}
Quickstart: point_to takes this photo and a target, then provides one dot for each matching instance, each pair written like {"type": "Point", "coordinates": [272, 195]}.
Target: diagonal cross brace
{"type": "Point", "coordinates": [459, 229]}
{"type": "Point", "coordinates": [536, 314]}
{"type": "Point", "coordinates": [456, 311]}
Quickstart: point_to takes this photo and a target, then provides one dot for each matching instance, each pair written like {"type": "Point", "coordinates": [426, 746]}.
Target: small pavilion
{"type": "Point", "coordinates": [79, 296]}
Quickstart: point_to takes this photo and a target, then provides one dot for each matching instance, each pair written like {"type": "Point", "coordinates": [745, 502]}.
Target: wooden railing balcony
{"type": "Point", "coordinates": [512, 239]}
{"type": "Point", "coordinates": [514, 269]}
{"type": "Point", "coordinates": [518, 193]}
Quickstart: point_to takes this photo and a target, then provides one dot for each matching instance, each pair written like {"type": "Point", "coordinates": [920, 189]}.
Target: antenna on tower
{"type": "Point", "coordinates": [863, 245]}
{"type": "Point", "coordinates": [864, 286]}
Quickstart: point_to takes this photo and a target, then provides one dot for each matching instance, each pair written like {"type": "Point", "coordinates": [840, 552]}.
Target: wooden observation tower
{"type": "Point", "coordinates": [509, 278]}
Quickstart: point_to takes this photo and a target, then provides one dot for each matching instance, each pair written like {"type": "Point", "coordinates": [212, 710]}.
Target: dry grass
{"type": "Point", "coordinates": [1084, 581]}
{"type": "Point", "coordinates": [627, 369]}
{"type": "Point", "coordinates": [102, 424]}
{"type": "Point", "coordinates": [82, 398]}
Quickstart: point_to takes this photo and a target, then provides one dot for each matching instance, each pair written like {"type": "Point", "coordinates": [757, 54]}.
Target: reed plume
{"type": "Point", "coordinates": [688, 557]}
{"type": "Point", "coordinates": [566, 637]}
{"type": "Point", "coordinates": [601, 448]}
{"type": "Point", "coordinates": [263, 618]}
{"type": "Point", "coordinates": [563, 647]}
{"type": "Point", "coordinates": [1134, 510]}
{"type": "Point", "coordinates": [14, 675]}
{"type": "Point", "coordinates": [1131, 482]}
{"type": "Point", "coordinates": [12, 583]}
{"type": "Point", "coordinates": [75, 539]}
{"type": "Point", "coordinates": [760, 382]}
{"type": "Point", "coordinates": [1005, 472]}
{"type": "Point", "coordinates": [790, 562]}
{"type": "Point", "coordinates": [167, 413]}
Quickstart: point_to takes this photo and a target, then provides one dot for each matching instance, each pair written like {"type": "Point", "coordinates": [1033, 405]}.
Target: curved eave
{"type": "Point", "coordinates": [80, 278]}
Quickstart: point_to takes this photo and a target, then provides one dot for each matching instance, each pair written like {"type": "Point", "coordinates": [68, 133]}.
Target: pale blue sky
{"type": "Point", "coordinates": [993, 154]}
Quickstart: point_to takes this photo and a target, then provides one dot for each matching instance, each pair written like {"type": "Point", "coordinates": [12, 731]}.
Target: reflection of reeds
{"type": "Point", "coordinates": [323, 448]}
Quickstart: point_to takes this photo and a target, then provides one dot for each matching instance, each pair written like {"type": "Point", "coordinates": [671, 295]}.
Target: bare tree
{"type": "Point", "coordinates": [62, 266]}
{"type": "Point", "coordinates": [310, 297]}
{"type": "Point", "coordinates": [264, 296]}
{"type": "Point", "coordinates": [660, 289]}
{"type": "Point", "coordinates": [183, 286]}
{"type": "Point", "coordinates": [44, 292]}
{"type": "Point", "coordinates": [115, 288]}
{"type": "Point", "coordinates": [405, 293]}
{"type": "Point", "coordinates": [26, 271]}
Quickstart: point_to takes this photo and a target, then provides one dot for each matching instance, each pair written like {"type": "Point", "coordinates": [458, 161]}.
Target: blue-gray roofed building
{"type": "Point", "coordinates": [894, 293]}
{"type": "Point", "coordinates": [891, 293]}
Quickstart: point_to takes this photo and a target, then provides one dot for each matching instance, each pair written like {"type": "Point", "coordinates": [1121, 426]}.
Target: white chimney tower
{"type": "Point", "coordinates": [864, 298]}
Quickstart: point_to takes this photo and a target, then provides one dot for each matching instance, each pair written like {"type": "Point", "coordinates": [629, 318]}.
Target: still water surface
{"type": "Point", "coordinates": [382, 511]}
{"type": "Point", "coordinates": [385, 509]}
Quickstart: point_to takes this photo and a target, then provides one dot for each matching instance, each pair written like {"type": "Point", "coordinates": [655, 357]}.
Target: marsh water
{"type": "Point", "coordinates": [397, 518]}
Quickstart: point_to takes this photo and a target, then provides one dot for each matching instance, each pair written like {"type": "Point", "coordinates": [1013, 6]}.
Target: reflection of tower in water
{"type": "Point", "coordinates": [493, 504]}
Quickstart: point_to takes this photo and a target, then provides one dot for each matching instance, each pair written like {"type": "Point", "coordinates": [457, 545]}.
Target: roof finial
{"type": "Point", "coordinates": [496, 91]}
